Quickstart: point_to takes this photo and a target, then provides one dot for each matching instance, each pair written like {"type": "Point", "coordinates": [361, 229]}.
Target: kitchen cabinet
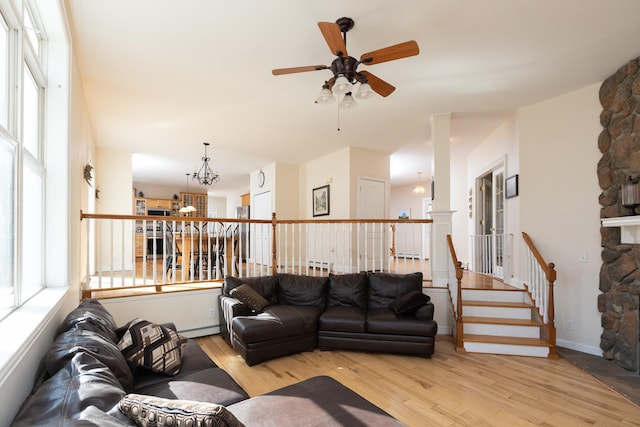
{"type": "Point", "coordinates": [198, 201]}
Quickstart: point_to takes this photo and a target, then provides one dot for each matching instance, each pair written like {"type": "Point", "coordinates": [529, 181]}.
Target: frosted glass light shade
{"type": "Point", "coordinates": [342, 85]}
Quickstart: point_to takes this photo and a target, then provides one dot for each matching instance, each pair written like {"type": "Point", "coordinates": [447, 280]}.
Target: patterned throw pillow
{"type": "Point", "coordinates": [158, 412]}
{"type": "Point", "coordinates": [251, 298]}
{"type": "Point", "coordinates": [153, 346]}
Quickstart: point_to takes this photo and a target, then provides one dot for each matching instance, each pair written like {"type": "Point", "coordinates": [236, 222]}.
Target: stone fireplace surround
{"type": "Point", "coordinates": [619, 143]}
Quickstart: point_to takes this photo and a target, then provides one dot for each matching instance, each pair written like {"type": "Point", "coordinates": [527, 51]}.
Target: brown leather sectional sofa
{"type": "Point", "coordinates": [382, 312]}
{"type": "Point", "coordinates": [88, 382]}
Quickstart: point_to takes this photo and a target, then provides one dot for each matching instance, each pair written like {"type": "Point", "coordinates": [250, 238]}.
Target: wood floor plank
{"type": "Point", "coordinates": [450, 389]}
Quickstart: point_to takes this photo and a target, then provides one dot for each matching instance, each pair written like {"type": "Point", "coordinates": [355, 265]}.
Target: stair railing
{"type": "Point", "coordinates": [455, 287]}
{"type": "Point", "coordinates": [540, 283]}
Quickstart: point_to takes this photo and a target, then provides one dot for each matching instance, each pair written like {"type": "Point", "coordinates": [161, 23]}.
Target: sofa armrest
{"type": "Point", "coordinates": [425, 312]}
{"type": "Point", "coordinates": [229, 308]}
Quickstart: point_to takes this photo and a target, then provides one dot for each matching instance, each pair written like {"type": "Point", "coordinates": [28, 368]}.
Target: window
{"type": "Point", "coordinates": [4, 72]}
{"type": "Point", "coordinates": [23, 92]}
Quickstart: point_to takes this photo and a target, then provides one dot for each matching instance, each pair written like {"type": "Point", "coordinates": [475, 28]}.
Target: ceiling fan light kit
{"type": "Point", "coordinates": [347, 80]}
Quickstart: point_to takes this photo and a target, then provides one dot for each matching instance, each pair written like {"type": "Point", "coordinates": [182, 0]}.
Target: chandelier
{"type": "Point", "coordinates": [206, 175]}
{"type": "Point", "coordinates": [419, 190]}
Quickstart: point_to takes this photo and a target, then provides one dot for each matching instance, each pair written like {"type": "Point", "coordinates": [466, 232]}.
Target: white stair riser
{"type": "Point", "coordinates": [502, 330]}
{"type": "Point", "coordinates": [503, 296]}
{"type": "Point", "coordinates": [517, 350]}
{"type": "Point", "coordinates": [501, 312]}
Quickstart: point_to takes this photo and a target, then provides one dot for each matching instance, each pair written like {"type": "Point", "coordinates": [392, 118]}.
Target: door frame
{"type": "Point", "coordinates": [499, 164]}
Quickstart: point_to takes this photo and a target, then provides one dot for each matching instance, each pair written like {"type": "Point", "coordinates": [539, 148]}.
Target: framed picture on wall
{"type": "Point", "coordinates": [404, 213]}
{"type": "Point", "coordinates": [320, 199]}
{"type": "Point", "coordinates": [511, 187]}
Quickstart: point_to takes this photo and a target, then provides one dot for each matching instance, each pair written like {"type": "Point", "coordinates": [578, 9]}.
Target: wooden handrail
{"type": "Point", "coordinates": [549, 269]}
{"type": "Point", "coordinates": [84, 215]}
{"type": "Point", "coordinates": [458, 315]}
{"type": "Point", "coordinates": [550, 274]}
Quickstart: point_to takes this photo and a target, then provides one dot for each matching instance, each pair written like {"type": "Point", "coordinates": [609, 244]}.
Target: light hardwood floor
{"type": "Point", "coordinates": [450, 389]}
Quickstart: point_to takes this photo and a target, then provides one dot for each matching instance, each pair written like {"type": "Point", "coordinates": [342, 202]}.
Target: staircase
{"type": "Point", "coordinates": [502, 321]}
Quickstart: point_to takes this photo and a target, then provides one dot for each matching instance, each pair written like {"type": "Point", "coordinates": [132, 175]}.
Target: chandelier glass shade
{"type": "Point", "coordinates": [419, 190]}
{"type": "Point", "coordinates": [205, 175]}
{"type": "Point", "coordinates": [342, 85]}
{"type": "Point", "coordinates": [325, 96]}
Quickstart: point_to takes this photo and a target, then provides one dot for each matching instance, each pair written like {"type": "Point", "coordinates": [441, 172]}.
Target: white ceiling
{"type": "Point", "coordinates": [163, 76]}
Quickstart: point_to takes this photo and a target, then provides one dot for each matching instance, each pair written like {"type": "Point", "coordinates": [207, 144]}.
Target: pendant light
{"type": "Point", "coordinates": [187, 209]}
{"type": "Point", "coordinates": [419, 190]}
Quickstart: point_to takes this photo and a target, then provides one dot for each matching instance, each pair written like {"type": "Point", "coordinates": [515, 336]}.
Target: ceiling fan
{"type": "Point", "coordinates": [345, 67]}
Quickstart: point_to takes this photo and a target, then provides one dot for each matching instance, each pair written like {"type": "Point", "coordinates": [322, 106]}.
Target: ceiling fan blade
{"type": "Point", "coordinates": [292, 70]}
{"type": "Point", "coordinates": [381, 87]}
{"type": "Point", "coordinates": [390, 53]}
{"type": "Point", "coordinates": [333, 37]}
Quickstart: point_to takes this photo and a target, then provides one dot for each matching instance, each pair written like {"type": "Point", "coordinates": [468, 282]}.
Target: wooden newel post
{"type": "Point", "coordinates": [551, 278]}
{"type": "Point", "coordinates": [459, 323]}
{"type": "Point", "coordinates": [274, 246]}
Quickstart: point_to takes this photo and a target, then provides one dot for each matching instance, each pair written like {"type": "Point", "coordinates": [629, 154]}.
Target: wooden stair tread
{"type": "Point", "coordinates": [501, 321]}
{"type": "Point", "coordinates": [497, 304]}
{"type": "Point", "coordinates": [492, 339]}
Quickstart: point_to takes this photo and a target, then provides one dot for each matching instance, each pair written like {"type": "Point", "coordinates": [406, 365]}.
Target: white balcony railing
{"type": "Point", "coordinates": [127, 250]}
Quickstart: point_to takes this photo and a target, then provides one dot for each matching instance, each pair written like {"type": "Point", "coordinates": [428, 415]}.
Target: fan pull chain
{"type": "Point", "coordinates": [338, 117]}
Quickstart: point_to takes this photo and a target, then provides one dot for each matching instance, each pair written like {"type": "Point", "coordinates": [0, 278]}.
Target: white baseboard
{"type": "Point", "coordinates": [201, 332]}
{"type": "Point", "coordinates": [596, 351]}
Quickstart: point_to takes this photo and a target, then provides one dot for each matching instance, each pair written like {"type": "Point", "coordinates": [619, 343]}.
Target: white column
{"type": "Point", "coordinates": [441, 205]}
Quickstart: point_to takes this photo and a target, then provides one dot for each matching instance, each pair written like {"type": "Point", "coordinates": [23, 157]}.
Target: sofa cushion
{"type": "Point", "coordinates": [194, 359]}
{"type": "Point", "coordinates": [90, 315]}
{"type": "Point", "coordinates": [277, 321]}
{"type": "Point", "coordinates": [155, 411]}
{"type": "Point", "coordinates": [212, 385]}
{"type": "Point", "coordinates": [385, 321]}
{"type": "Point", "coordinates": [348, 289]}
{"type": "Point", "coordinates": [409, 303]}
{"type": "Point", "coordinates": [153, 346]}
{"type": "Point", "coordinates": [251, 298]}
{"type": "Point", "coordinates": [264, 285]}
{"type": "Point", "coordinates": [384, 288]}
{"type": "Point", "coordinates": [74, 341]}
{"type": "Point", "coordinates": [317, 401]}
{"type": "Point", "coordinates": [341, 318]}
{"type": "Point", "coordinates": [296, 289]}
{"type": "Point", "coordinates": [83, 392]}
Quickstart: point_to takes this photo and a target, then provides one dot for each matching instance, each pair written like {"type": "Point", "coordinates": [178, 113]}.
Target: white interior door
{"type": "Point", "coordinates": [262, 208]}
{"type": "Point", "coordinates": [498, 221]}
{"type": "Point", "coordinates": [374, 248]}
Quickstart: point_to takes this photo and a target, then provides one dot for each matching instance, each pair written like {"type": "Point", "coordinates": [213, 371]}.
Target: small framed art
{"type": "Point", "coordinates": [320, 199]}
{"type": "Point", "coordinates": [511, 187]}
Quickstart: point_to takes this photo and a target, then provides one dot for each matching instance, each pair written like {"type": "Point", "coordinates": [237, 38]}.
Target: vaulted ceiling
{"type": "Point", "coordinates": [163, 76]}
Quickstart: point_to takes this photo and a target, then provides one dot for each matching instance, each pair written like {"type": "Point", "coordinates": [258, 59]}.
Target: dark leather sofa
{"type": "Point", "coordinates": [381, 312]}
{"type": "Point", "coordinates": [88, 382]}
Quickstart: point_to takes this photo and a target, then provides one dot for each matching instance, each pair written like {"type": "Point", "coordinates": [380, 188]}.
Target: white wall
{"type": "Point", "coordinates": [332, 169]}
{"type": "Point", "coordinates": [559, 206]}
{"type": "Point", "coordinates": [163, 191]}
{"type": "Point", "coordinates": [287, 188]}
{"type": "Point", "coordinates": [459, 199]}
{"type": "Point", "coordinates": [402, 197]}
{"type": "Point", "coordinates": [195, 313]}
